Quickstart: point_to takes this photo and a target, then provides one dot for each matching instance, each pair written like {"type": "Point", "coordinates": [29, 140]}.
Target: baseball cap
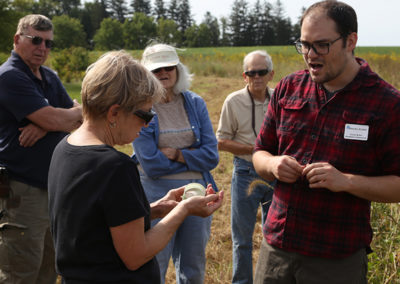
{"type": "Point", "coordinates": [159, 55]}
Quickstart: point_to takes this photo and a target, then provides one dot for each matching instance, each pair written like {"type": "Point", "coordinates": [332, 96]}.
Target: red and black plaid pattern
{"type": "Point", "coordinates": [301, 123]}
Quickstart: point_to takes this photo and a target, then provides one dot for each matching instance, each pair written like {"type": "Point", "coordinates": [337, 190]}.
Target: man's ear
{"type": "Point", "coordinates": [245, 77]}
{"type": "Point", "coordinates": [17, 37]}
{"type": "Point", "coordinates": [351, 41]}
{"type": "Point", "coordinates": [271, 75]}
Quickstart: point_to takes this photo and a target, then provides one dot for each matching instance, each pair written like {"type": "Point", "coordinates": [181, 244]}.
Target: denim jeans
{"type": "Point", "coordinates": [188, 244]}
{"type": "Point", "coordinates": [243, 217]}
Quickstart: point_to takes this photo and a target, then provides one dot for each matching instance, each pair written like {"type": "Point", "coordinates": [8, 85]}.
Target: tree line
{"type": "Point", "coordinates": [116, 24]}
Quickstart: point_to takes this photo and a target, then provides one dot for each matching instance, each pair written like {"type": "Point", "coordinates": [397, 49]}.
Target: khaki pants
{"type": "Point", "coordinates": [275, 265]}
{"type": "Point", "coordinates": [26, 247]}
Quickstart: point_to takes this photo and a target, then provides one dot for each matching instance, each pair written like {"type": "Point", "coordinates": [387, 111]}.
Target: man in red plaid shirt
{"type": "Point", "coordinates": [331, 139]}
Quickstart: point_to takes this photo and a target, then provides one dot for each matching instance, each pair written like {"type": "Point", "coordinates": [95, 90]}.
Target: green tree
{"type": "Point", "coordinates": [141, 6]}
{"type": "Point", "coordinates": [109, 35]}
{"type": "Point", "coordinates": [138, 31]}
{"type": "Point", "coordinates": [172, 12]}
{"type": "Point", "coordinates": [225, 36]}
{"type": "Point", "coordinates": [184, 17]}
{"type": "Point", "coordinates": [70, 7]}
{"type": "Point", "coordinates": [48, 8]}
{"type": "Point", "coordinates": [238, 23]}
{"type": "Point", "coordinates": [167, 32]}
{"type": "Point", "coordinates": [159, 10]}
{"type": "Point", "coordinates": [70, 63]}
{"type": "Point", "coordinates": [198, 36]}
{"type": "Point", "coordinates": [8, 27]}
{"type": "Point", "coordinates": [282, 25]}
{"type": "Point", "coordinates": [91, 16]}
{"type": "Point", "coordinates": [266, 29]}
{"type": "Point", "coordinates": [68, 32]}
{"type": "Point", "coordinates": [213, 29]}
{"type": "Point", "coordinates": [118, 9]}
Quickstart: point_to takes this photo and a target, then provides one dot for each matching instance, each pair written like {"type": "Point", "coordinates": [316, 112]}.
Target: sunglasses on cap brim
{"type": "Point", "coordinates": [253, 73]}
{"type": "Point", "coordinates": [37, 40]}
{"type": "Point", "coordinates": [147, 116]}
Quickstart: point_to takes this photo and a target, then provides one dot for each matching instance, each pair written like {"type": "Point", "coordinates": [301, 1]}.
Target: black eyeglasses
{"type": "Point", "coordinates": [147, 116]}
{"type": "Point", "coordinates": [320, 48]}
{"type": "Point", "coordinates": [253, 73]}
{"type": "Point", "coordinates": [168, 69]}
{"type": "Point", "coordinates": [37, 40]}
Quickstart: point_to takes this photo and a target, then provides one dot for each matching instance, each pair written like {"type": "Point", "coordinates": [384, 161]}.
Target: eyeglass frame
{"type": "Point", "coordinates": [147, 116]}
{"type": "Point", "coordinates": [253, 73]}
{"type": "Point", "coordinates": [37, 40]}
{"type": "Point", "coordinates": [298, 45]}
{"type": "Point", "coordinates": [167, 68]}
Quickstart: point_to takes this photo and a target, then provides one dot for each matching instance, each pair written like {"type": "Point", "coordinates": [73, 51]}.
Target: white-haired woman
{"type": "Point", "coordinates": [178, 147]}
{"type": "Point", "coordinates": [100, 217]}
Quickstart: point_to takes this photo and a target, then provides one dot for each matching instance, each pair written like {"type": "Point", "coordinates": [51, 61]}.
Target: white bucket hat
{"type": "Point", "coordinates": [159, 55]}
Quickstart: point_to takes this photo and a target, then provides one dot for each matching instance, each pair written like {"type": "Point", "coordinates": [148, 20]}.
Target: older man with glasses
{"type": "Point", "coordinates": [241, 118]}
{"type": "Point", "coordinates": [331, 140]}
{"type": "Point", "coordinates": [35, 114]}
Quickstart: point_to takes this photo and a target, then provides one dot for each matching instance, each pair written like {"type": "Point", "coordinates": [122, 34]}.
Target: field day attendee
{"type": "Point", "coordinates": [100, 216]}
{"type": "Point", "coordinates": [178, 147]}
{"type": "Point", "coordinates": [331, 138]}
{"type": "Point", "coordinates": [35, 114]}
{"type": "Point", "coordinates": [241, 117]}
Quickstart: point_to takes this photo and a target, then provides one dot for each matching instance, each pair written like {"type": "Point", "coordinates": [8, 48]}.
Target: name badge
{"type": "Point", "coordinates": [356, 132]}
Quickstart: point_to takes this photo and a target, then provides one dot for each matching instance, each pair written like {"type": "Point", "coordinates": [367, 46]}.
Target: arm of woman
{"type": "Point", "coordinates": [204, 155]}
{"type": "Point", "coordinates": [136, 247]}
{"type": "Point", "coordinates": [150, 157]}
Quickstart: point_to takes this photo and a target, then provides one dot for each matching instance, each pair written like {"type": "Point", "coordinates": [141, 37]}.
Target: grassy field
{"type": "Point", "coordinates": [218, 72]}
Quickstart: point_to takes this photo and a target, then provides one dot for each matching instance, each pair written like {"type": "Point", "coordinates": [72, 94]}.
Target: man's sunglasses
{"type": "Point", "coordinates": [147, 116]}
{"type": "Point", "coordinates": [37, 40]}
{"type": "Point", "coordinates": [168, 69]}
{"type": "Point", "coordinates": [253, 73]}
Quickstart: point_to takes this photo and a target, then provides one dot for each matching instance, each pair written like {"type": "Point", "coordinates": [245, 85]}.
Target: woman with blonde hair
{"type": "Point", "coordinates": [100, 216]}
{"type": "Point", "coordinates": [178, 147]}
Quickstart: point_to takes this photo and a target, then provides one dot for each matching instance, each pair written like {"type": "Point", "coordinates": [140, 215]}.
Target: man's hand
{"type": "Point", "coordinates": [30, 134]}
{"type": "Point", "coordinates": [286, 168]}
{"type": "Point", "coordinates": [324, 175]}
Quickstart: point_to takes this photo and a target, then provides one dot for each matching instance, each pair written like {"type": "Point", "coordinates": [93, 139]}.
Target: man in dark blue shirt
{"type": "Point", "coordinates": [35, 114]}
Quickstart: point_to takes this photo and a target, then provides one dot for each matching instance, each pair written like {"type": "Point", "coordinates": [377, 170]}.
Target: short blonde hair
{"type": "Point", "coordinates": [36, 21]}
{"type": "Point", "coordinates": [117, 78]}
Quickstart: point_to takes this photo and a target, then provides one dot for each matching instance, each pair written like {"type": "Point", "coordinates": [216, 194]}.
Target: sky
{"type": "Point", "coordinates": [378, 20]}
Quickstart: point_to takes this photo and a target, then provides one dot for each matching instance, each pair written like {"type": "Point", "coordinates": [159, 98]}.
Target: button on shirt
{"type": "Point", "coordinates": [301, 122]}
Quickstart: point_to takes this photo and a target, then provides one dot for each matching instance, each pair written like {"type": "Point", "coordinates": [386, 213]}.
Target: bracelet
{"type": "Point", "coordinates": [176, 156]}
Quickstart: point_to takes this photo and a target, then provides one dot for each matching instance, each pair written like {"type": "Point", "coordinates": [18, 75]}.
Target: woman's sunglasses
{"type": "Point", "coordinates": [168, 69]}
{"type": "Point", "coordinates": [253, 73]}
{"type": "Point", "coordinates": [147, 116]}
{"type": "Point", "coordinates": [37, 40]}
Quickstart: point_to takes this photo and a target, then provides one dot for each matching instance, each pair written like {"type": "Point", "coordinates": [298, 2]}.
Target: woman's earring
{"type": "Point", "coordinates": [113, 124]}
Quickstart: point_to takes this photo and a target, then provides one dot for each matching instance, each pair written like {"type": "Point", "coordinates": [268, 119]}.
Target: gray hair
{"type": "Point", "coordinates": [264, 54]}
{"type": "Point", "coordinates": [117, 78]}
{"type": "Point", "coordinates": [36, 21]}
{"type": "Point", "coordinates": [184, 79]}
